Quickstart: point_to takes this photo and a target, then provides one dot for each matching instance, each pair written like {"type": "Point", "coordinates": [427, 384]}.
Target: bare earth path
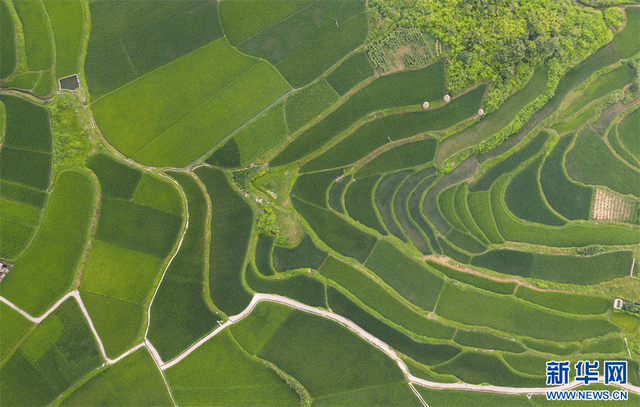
{"type": "Point", "coordinates": [316, 311]}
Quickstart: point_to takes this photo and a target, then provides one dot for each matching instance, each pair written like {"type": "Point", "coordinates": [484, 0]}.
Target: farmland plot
{"type": "Point", "coordinates": [401, 89]}
{"type": "Point", "coordinates": [591, 152]}
{"type": "Point", "coordinates": [614, 208]}
{"type": "Point", "coordinates": [67, 23]}
{"type": "Point", "coordinates": [358, 200]}
{"type": "Point", "coordinates": [61, 240]}
{"type": "Point", "coordinates": [179, 313]}
{"type": "Point", "coordinates": [136, 380]}
{"type": "Point", "coordinates": [627, 42]}
{"type": "Point", "coordinates": [401, 211]}
{"type": "Point", "coordinates": [173, 110]}
{"type": "Point", "coordinates": [300, 287]}
{"type": "Point", "coordinates": [37, 37]}
{"type": "Point", "coordinates": [8, 46]}
{"type": "Point", "coordinates": [305, 255]}
{"type": "Point", "coordinates": [379, 299]}
{"type": "Point", "coordinates": [231, 223]}
{"type": "Point", "coordinates": [628, 132]}
{"type": "Point", "coordinates": [336, 193]}
{"type": "Point", "coordinates": [351, 72]}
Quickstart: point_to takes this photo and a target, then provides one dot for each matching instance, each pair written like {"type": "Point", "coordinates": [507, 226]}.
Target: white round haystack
{"type": "Point", "coordinates": [447, 98]}
{"type": "Point", "coordinates": [480, 112]}
{"type": "Point", "coordinates": [425, 105]}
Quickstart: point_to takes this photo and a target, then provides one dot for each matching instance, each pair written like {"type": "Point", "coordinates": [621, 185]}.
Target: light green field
{"type": "Point", "coordinates": [157, 104]}
{"type": "Point", "coordinates": [136, 380]}
{"type": "Point", "coordinates": [120, 273]}
{"type": "Point", "coordinates": [57, 250]}
{"type": "Point", "coordinates": [158, 193]}
{"type": "Point", "coordinates": [220, 373]}
{"type": "Point", "coordinates": [14, 326]}
{"type": "Point", "coordinates": [37, 37]}
{"type": "Point", "coordinates": [117, 322]}
{"type": "Point", "coordinates": [67, 22]}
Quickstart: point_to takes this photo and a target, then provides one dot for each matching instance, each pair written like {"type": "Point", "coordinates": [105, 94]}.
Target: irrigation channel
{"type": "Point", "coordinates": [316, 311]}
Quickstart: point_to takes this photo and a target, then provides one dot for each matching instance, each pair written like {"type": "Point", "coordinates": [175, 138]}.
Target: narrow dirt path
{"type": "Point", "coordinates": [413, 380]}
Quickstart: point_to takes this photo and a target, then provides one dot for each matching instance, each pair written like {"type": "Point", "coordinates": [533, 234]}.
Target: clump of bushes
{"type": "Point", "coordinates": [589, 250]}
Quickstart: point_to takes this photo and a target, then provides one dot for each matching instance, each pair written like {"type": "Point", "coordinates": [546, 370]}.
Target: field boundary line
{"type": "Point", "coordinates": [267, 27]}
{"type": "Point", "coordinates": [384, 347]}
{"type": "Point", "coordinates": [196, 108]}
{"type": "Point", "coordinates": [184, 232]}
{"type": "Point", "coordinates": [238, 129]}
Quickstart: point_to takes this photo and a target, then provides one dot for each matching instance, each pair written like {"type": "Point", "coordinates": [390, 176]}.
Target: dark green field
{"type": "Point", "coordinates": [410, 279]}
{"type": "Point", "coordinates": [462, 210]}
{"type": "Point", "coordinates": [569, 199]}
{"type": "Point", "coordinates": [358, 200]}
{"type": "Point", "coordinates": [560, 268]}
{"type": "Point", "coordinates": [61, 240]}
{"type": "Point", "coordinates": [117, 322]}
{"type": "Point", "coordinates": [506, 314]}
{"type": "Point", "coordinates": [263, 254]}
{"type": "Point", "coordinates": [137, 227]}
{"type": "Point", "coordinates": [401, 89]}
{"type": "Point", "coordinates": [401, 210]}
{"type": "Point", "coordinates": [480, 367]}
{"type": "Point", "coordinates": [8, 46]}
{"type": "Point", "coordinates": [351, 72]}
{"type": "Point", "coordinates": [300, 287]}
{"type": "Point", "coordinates": [510, 163]}
{"type": "Point", "coordinates": [497, 287]}
{"type": "Point", "coordinates": [382, 301]}
{"type": "Point", "coordinates": [227, 376]}
{"type": "Point", "coordinates": [335, 232]}
{"type": "Point", "coordinates": [383, 198]}
{"type": "Point", "coordinates": [312, 188]}
{"type": "Point", "coordinates": [590, 152]}
{"type": "Point", "coordinates": [613, 345]}
{"type": "Point", "coordinates": [305, 255]}
{"type": "Point", "coordinates": [116, 179]}
{"type": "Point", "coordinates": [179, 314]}
{"type": "Point", "coordinates": [22, 194]}
{"type": "Point", "coordinates": [479, 204]}
{"type": "Point", "coordinates": [136, 380]}
{"type": "Point", "coordinates": [571, 303]}
{"type": "Point", "coordinates": [568, 236]}
{"type": "Point", "coordinates": [326, 358]}
{"type": "Point", "coordinates": [423, 352]}
{"type": "Point", "coordinates": [26, 167]}
{"type": "Point", "coordinates": [376, 133]}
{"type": "Point", "coordinates": [403, 156]}
{"type": "Point", "coordinates": [627, 41]}
{"type": "Point", "coordinates": [628, 132]}
{"type": "Point", "coordinates": [232, 218]}
{"type": "Point", "coordinates": [415, 212]}
{"type": "Point", "coordinates": [27, 125]}
{"type": "Point", "coordinates": [304, 105]}
{"type": "Point", "coordinates": [524, 198]}
{"type": "Point", "coordinates": [478, 339]}
{"type": "Point", "coordinates": [336, 193]}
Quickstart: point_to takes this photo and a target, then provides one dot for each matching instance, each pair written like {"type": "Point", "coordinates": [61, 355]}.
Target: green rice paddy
{"type": "Point", "coordinates": [358, 201]}
{"type": "Point", "coordinates": [410, 279]}
{"type": "Point", "coordinates": [571, 303]}
{"type": "Point", "coordinates": [336, 232]}
{"type": "Point", "coordinates": [312, 188]}
{"type": "Point", "coordinates": [351, 72]}
{"type": "Point", "coordinates": [627, 130]}
{"type": "Point", "coordinates": [231, 220]}
{"type": "Point", "coordinates": [136, 380]}
{"type": "Point", "coordinates": [8, 46]}
{"type": "Point", "coordinates": [300, 287]}
{"type": "Point", "coordinates": [627, 42]}
{"type": "Point", "coordinates": [569, 199]}
{"type": "Point", "coordinates": [179, 314]}
{"type": "Point", "coordinates": [60, 240]}
{"type": "Point", "coordinates": [506, 314]}
{"type": "Point", "coordinates": [158, 193]}
{"type": "Point", "coordinates": [37, 38]}
{"type": "Point", "coordinates": [227, 376]}
{"type": "Point", "coordinates": [309, 102]}
{"type": "Point", "coordinates": [305, 255]}
{"type": "Point", "coordinates": [524, 199]}
{"type": "Point", "coordinates": [591, 152]}
{"type": "Point", "coordinates": [382, 301]}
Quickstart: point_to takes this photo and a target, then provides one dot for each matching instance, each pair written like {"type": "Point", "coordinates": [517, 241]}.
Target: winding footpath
{"type": "Point", "coordinates": [257, 298]}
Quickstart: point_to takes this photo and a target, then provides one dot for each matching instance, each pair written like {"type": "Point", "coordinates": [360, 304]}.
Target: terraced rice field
{"type": "Point", "coordinates": [239, 179]}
